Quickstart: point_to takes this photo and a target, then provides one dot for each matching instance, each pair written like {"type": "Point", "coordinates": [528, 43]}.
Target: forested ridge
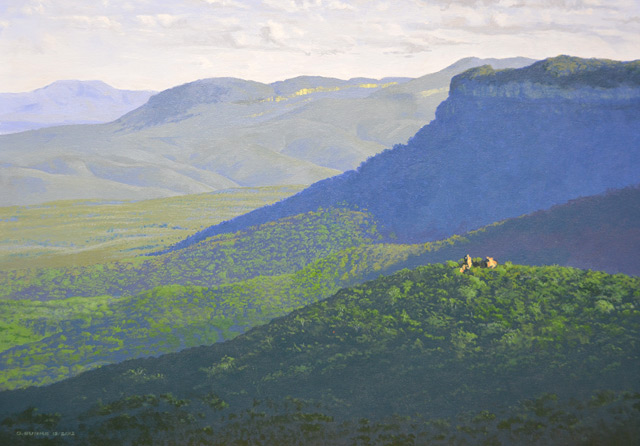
{"type": "Point", "coordinates": [46, 341]}
{"type": "Point", "coordinates": [273, 248]}
{"type": "Point", "coordinates": [535, 355]}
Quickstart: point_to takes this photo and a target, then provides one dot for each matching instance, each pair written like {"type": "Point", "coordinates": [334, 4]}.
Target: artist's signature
{"type": "Point", "coordinates": [45, 434]}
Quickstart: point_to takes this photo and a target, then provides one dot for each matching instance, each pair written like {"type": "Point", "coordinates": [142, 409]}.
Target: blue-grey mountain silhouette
{"type": "Point", "coordinates": [504, 143]}
{"type": "Point", "coordinates": [219, 133]}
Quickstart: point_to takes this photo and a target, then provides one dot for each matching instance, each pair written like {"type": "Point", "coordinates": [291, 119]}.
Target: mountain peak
{"type": "Point", "coordinates": [175, 103]}
{"type": "Point", "coordinates": [79, 88]}
{"type": "Point", "coordinates": [212, 90]}
{"type": "Point", "coordinates": [472, 62]}
{"type": "Point", "coordinates": [76, 83]}
{"type": "Point", "coordinates": [66, 102]}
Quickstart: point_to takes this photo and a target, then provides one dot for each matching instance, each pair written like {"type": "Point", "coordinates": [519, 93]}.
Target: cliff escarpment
{"type": "Point", "coordinates": [504, 143]}
{"type": "Point", "coordinates": [559, 78]}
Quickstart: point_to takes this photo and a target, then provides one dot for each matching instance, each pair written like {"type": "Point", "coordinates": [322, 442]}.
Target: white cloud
{"type": "Point", "coordinates": [147, 20]}
{"type": "Point", "coordinates": [273, 32]}
{"type": "Point", "coordinates": [34, 7]}
{"type": "Point", "coordinates": [168, 20]}
{"type": "Point", "coordinates": [203, 62]}
{"type": "Point", "coordinates": [159, 43]}
{"type": "Point", "coordinates": [163, 20]}
{"type": "Point", "coordinates": [225, 3]}
{"type": "Point", "coordinates": [341, 6]}
{"type": "Point", "coordinates": [93, 22]}
{"type": "Point", "coordinates": [292, 6]}
{"type": "Point", "coordinates": [285, 35]}
{"type": "Point", "coordinates": [282, 5]}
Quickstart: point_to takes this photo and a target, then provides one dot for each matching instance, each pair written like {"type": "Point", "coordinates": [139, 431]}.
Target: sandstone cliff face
{"type": "Point", "coordinates": [504, 143]}
{"type": "Point", "coordinates": [533, 91]}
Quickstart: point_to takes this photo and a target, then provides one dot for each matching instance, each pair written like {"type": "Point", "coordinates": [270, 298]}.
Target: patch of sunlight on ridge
{"type": "Point", "coordinates": [308, 91]}
{"type": "Point", "coordinates": [427, 93]}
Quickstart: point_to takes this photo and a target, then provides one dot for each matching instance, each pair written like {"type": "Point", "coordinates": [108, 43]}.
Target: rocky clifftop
{"type": "Point", "coordinates": [562, 77]}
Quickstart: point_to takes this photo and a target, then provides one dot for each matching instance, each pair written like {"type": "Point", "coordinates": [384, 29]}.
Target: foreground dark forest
{"type": "Point", "coordinates": [543, 355]}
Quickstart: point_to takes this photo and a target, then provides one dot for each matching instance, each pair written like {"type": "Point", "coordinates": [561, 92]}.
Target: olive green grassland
{"type": "Point", "coordinates": [82, 232]}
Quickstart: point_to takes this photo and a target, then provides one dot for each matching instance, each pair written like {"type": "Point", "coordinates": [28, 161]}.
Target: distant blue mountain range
{"type": "Point", "coordinates": [215, 134]}
{"type": "Point", "coordinates": [503, 144]}
{"type": "Point", "coordinates": [66, 102]}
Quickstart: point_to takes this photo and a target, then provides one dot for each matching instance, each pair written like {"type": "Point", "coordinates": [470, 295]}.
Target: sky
{"type": "Point", "coordinates": [157, 44]}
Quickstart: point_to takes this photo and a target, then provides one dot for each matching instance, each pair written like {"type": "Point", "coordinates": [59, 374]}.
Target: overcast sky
{"type": "Point", "coordinates": [157, 44]}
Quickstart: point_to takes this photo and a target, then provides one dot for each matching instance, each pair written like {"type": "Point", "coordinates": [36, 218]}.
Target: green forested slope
{"type": "Point", "coordinates": [255, 276]}
{"type": "Point", "coordinates": [514, 355]}
{"type": "Point", "coordinates": [274, 248]}
{"type": "Point", "coordinates": [48, 341]}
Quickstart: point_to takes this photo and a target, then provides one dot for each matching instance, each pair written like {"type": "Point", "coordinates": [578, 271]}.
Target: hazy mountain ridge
{"type": "Point", "coordinates": [600, 233]}
{"type": "Point", "coordinates": [484, 159]}
{"type": "Point", "coordinates": [220, 133]}
{"type": "Point", "coordinates": [65, 103]}
{"type": "Point", "coordinates": [173, 105]}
